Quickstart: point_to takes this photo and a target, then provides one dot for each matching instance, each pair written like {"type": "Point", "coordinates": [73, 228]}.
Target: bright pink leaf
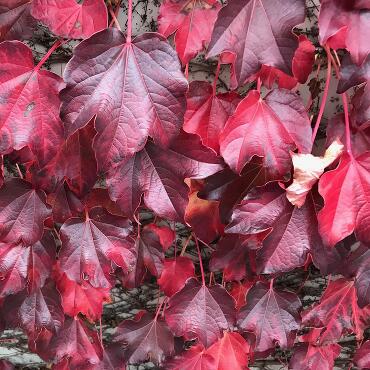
{"type": "Point", "coordinates": [134, 89]}
{"type": "Point", "coordinates": [159, 175]}
{"type": "Point", "coordinates": [206, 113]}
{"type": "Point", "coordinates": [200, 312]}
{"type": "Point", "coordinates": [175, 273]}
{"type": "Point", "coordinates": [257, 32]}
{"type": "Point", "coordinates": [22, 212]}
{"type": "Point", "coordinates": [193, 23]}
{"type": "Point", "coordinates": [346, 190]}
{"type": "Point", "coordinates": [270, 316]}
{"type": "Point", "coordinates": [91, 244]}
{"type": "Point", "coordinates": [146, 338]}
{"type": "Point", "coordinates": [29, 101]}
{"type": "Point", "coordinates": [70, 19]}
{"type": "Point", "coordinates": [280, 120]}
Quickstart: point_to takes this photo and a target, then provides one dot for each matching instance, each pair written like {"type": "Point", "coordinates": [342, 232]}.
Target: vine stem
{"type": "Point", "coordinates": [129, 21]}
{"type": "Point", "coordinates": [47, 55]}
{"type": "Point", "coordinates": [200, 261]}
{"type": "Point", "coordinates": [115, 20]}
{"type": "Point", "coordinates": [101, 332]}
{"type": "Point", "coordinates": [159, 309]}
{"type": "Point", "coordinates": [259, 84]}
{"type": "Point", "coordinates": [216, 77]}
{"type": "Point", "coordinates": [19, 171]}
{"type": "Point", "coordinates": [346, 120]}
{"type": "Point", "coordinates": [324, 97]}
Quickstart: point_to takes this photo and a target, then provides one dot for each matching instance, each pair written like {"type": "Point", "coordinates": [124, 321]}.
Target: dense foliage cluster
{"type": "Point", "coordinates": [124, 134]}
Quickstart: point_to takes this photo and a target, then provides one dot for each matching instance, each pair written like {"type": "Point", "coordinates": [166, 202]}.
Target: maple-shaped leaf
{"type": "Point", "coordinates": [341, 25]}
{"type": "Point", "coordinates": [193, 23]}
{"type": "Point", "coordinates": [22, 212]}
{"type": "Point", "coordinates": [195, 358]}
{"type": "Point", "coordinates": [257, 32]}
{"type": "Point", "coordinates": [135, 89]}
{"type": "Point", "coordinates": [75, 161]}
{"type": "Point", "coordinates": [16, 22]}
{"type": "Point", "coordinates": [346, 193]}
{"type": "Point", "coordinates": [22, 266]}
{"type": "Point", "coordinates": [234, 256]}
{"type": "Point", "coordinates": [77, 343]}
{"type": "Point", "coordinates": [149, 256]}
{"type": "Point", "coordinates": [308, 357]}
{"type": "Point", "coordinates": [202, 312]}
{"type": "Point", "coordinates": [64, 203]}
{"type": "Point", "coordinates": [308, 169]}
{"type": "Point", "coordinates": [82, 298]}
{"type": "Point", "coordinates": [270, 316]}
{"type": "Point", "coordinates": [70, 19]}
{"type": "Point", "coordinates": [35, 311]}
{"type": "Point", "coordinates": [146, 338]}
{"type": "Point", "coordinates": [158, 175]}
{"type": "Point", "coordinates": [337, 313]}
{"type": "Point", "coordinates": [291, 231]}
{"type": "Point", "coordinates": [362, 356]}
{"type": "Point", "coordinates": [207, 113]}
{"type": "Point", "coordinates": [230, 352]}
{"type": "Point", "coordinates": [91, 244]}
{"type": "Point", "coordinates": [280, 120]}
{"type": "Point", "coordinates": [99, 197]}
{"type": "Point", "coordinates": [203, 215]}
{"type": "Point", "coordinates": [29, 112]}
{"type": "Point", "coordinates": [113, 358]}
{"type": "Point", "coordinates": [166, 235]}
{"type": "Point", "coordinates": [175, 273]}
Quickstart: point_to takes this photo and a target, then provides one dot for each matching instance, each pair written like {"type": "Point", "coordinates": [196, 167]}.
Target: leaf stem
{"type": "Point", "coordinates": [114, 18]}
{"type": "Point", "coordinates": [200, 261]}
{"type": "Point", "coordinates": [129, 21]}
{"type": "Point", "coordinates": [324, 98]}
{"type": "Point", "coordinates": [47, 55]}
{"type": "Point", "coordinates": [19, 171]}
{"type": "Point", "coordinates": [216, 77]}
{"type": "Point", "coordinates": [259, 84]}
{"type": "Point", "coordinates": [346, 120]}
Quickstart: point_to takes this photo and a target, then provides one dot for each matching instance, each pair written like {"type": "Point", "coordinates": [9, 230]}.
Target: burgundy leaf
{"type": "Point", "coordinates": [176, 271]}
{"type": "Point", "coordinates": [166, 235]}
{"type": "Point", "coordinates": [69, 19]}
{"type": "Point", "coordinates": [91, 244]}
{"type": "Point", "coordinates": [22, 212]}
{"type": "Point", "coordinates": [280, 120]}
{"type": "Point", "coordinates": [193, 23]}
{"type": "Point", "coordinates": [257, 32]}
{"type": "Point", "coordinates": [200, 312]}
{"type": "Point", "coordinates": [362, 356]}
{"type": "Point", "coordinates": [146, 338]}
{"type": "Point", "coordinates": [270, 316]}
{"type": "Point", "coordinates": [134, 89]}
{"type": "Point", "coordinates": [16, 22]}
{"type": "Point", "coordinates": [159, 175]}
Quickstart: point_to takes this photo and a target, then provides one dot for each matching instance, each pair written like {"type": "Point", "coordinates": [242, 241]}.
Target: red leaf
{"type": "Point", "coordinates": [16, 22]}
{"type": "Point", "coordinates": [21, 265]}
{"type": "Point", "coordinates": [280, 120]}
{"type": "Point", "coordinates": [29, 103]}
{"type": "Point", "coordinates": [341, 25]}
{"type": "Point", "coordinates": [159, 175]}
{"type": "Point", "coordinates": [176, 271]}
{"type": "Point", "coordinates": [230, 352]}
{"type": "Point", "coordinates": [200, 312]}
{"type": "Point", "coordinates": [257, 32]}
{"type": "Point", "coordinates": [206, 113]}
{"type": "Point", "coordinates": [291, 232]}
{"type": "Point", "coordinates": [35, 311]}
{"type": "Point", "coordinates": [69, 19]}
{"type": "Point", "coordinates": [82, 298]}
{"type": "Point", "coordinates": [193, 23]}
{"type": "Point", "coordinates": [6, 365]}
{"type": "Point", "coordinates": [195, 358]}
{"type": "Point", "coordinates": [90, 245]}
{"type": "Point", "coordinates": [362, 356]}
{"type": "Point", "coordinates": [271, 316]}
{"type": "Point", "coordinates": [22, 212]}
{"type": "Point", "coordinates": [146, 338]}
{"type": "Point", "coordinates": [77, 343]}
{"type": "Point", "coordinates": [346, 191]}
{"type": "Point", "coordinates": [165, 234]}
{"type": "Point", "coordinates": [99, 197]}
{"type": "Point", "coordinates": [135, 89]}
{"type": "Point", "coordinates": [337, 313]}
{"type": "Point", "coordinates": [308, 357]}
{"type": "Point", "coordinates": [239, 290]}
